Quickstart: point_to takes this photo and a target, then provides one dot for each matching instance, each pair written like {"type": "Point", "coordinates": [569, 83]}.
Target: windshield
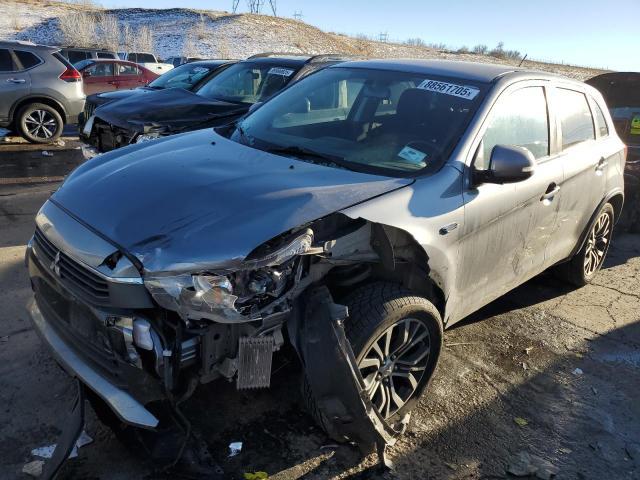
{"type": "Point", "coordinates": [141, 58]}
{"type": "Point", "coordinates": [184, 76]}
{"type": "Point", "coordinates": [380, 121]}
{"type": "Point", "coordinates": [247, 83]}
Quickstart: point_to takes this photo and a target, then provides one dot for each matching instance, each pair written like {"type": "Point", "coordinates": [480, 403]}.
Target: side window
{"type": "Point", "coordinates": [101, 69]}
{"type": "Point", "coordinates": [27, 59]}
{"type": "Point", "coordinates": [6, 62]}
{"type": "Point", "coordinates": [575, 117]}
{"type": "Point", "coordinates": [601, 123]}
{"type": "Point", "coordinates": [76, 56]}
{"type": "Point", "coordinates": [127, 69]}
{"type": "Point", "coordinates": [519, 119]}
{"type": "Point", "coordinates": [105, 55]}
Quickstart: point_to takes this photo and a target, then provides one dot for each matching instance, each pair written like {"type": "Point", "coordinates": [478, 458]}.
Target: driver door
{"type": "Point", "coordinates": [507, 227]}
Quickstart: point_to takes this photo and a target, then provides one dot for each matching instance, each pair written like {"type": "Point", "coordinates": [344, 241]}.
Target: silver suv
{"type": "Point", "coordinates": [354, 215]}
{"type": "Point", "coordinates": [40, 91]}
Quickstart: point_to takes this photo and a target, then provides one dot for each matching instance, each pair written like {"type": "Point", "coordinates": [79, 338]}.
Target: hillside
{"type": "Point", "coordinates": [223, 35]}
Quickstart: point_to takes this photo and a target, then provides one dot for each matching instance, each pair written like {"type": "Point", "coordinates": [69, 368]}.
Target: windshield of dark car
{"type": "Point", "coordinates": [372, 120]}
{"type": "Point", "coordinates": [247, 82]}
{"type": "Point", "coordinates": [185, 76]}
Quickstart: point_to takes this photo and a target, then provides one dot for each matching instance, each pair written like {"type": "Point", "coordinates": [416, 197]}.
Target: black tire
{"type": "Point", "coordinates": [39, 123]}
{"type": "Point", "coordinates": [373, 310]}
{"type": "Point", "coordinates": [577, 270]}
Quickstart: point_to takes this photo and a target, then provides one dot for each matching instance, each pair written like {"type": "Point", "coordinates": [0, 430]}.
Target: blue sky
{"type": "Point", "coordinates": [583, 32]}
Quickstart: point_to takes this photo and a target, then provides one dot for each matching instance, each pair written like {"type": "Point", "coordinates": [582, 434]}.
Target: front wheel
{"type": "Point", "coordinates": [582, 268]}
{"type": "Point", "coordinates": [396, 338]}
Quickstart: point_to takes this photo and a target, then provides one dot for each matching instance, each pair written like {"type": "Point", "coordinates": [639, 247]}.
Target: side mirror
{"type": "Point", "coordinates": [508, 164]}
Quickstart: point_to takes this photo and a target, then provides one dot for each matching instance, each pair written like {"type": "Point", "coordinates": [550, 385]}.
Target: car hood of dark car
{"type": "Point", "coordinates": [199, 200]}
{"type": "Point", "coordinates": [170, 110]}
{"type": "Point", "coordinates": [108, 97]}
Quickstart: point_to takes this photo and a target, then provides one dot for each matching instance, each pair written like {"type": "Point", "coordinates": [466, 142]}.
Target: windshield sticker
{"type": "Point", "coordinates": [462, 91]}
{"type": "Point", "coordinates": [285, 72]}
{"type": "Point", "coordinates": [413, 156]}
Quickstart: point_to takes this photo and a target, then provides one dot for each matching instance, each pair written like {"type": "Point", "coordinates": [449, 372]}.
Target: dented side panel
{"type": "Point", "coordinates": [432, 212]}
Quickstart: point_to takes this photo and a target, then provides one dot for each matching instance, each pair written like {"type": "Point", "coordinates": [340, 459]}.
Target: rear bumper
{"type": "Point", "coordinates": [127, 408]}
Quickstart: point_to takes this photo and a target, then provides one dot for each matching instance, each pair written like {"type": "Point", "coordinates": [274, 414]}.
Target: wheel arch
{"type": "Point", "coordinates": [45, 99]}
{"type": "Point", "coordinates": [616, 199]}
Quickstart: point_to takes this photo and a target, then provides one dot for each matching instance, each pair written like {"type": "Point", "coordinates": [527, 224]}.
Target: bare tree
{"type": "Point", "coordinates": [127, 38]}
{"type": "Point", "coordinates": [78, 29]}
{"type": "Point", "coordinates": [14, 20]}
{"type": "Point", "coordinates": [480, 49]}
{"type": "Point", "coordinates": [143, 41]}
{"type": "Point", "coordinates": [189, 47]}
{"type": "Point", "coordinates": [109, 32]}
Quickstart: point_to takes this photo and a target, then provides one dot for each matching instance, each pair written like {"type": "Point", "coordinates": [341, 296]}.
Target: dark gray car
{"type": "Point", "coordinates": [40, 91]}
{"type": "Point", "coordinates": [355, 215]}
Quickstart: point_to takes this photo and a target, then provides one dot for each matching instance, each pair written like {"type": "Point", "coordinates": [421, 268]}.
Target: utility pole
{"type": "Point", "coordinates": [383, 36]}
{"type": "Point", "coordinates": [297, 14]}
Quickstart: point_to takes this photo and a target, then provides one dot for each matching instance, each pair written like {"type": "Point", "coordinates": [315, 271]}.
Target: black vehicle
{"type": "Point", "coordinates": [222, 99]}
{"type": "Point", "coordinates": [188, 77]}
{"type": "Point", "coordinates": [621, 90]}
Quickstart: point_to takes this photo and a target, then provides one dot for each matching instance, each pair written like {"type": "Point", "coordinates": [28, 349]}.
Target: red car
{"type": "Point", "coordinates": [106, 75]}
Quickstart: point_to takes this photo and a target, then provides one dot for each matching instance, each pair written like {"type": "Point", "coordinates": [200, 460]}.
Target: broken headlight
{"type": "Point", "coordinates": [236, 296]}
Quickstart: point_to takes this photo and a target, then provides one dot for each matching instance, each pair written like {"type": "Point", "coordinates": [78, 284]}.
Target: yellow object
{"type": "Point", "coordinates": [521, 421]}
{"type": "Point", "coordinates": [256, 475]}
{"type": "Point", "coordinates": [635, 126]}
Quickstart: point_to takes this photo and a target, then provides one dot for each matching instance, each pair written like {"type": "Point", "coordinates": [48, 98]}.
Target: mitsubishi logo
{"type": "Point", "coordinates": [55, 265]}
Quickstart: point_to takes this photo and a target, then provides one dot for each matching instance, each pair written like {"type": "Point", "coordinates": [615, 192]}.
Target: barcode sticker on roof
{"type": "Point", "coordinates": [462, 91]}
{"type": "Point", "coordinates": [285, 72]}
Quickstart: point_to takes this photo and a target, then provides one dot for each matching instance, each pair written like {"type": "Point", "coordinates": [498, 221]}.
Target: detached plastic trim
{"type": "Point", "coordinates": [128, 409]}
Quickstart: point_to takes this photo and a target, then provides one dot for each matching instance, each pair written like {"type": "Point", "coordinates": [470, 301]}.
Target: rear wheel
{"type": "Point", "coordinates": [39, 123]}
{"type": "Point", "coordinates": [582, 268]}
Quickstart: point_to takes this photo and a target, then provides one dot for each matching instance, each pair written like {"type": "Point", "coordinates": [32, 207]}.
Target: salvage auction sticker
{"type": "Point", "coordinates": [285, 72]}
{"type": "Point", "coordinates": [462, 91]}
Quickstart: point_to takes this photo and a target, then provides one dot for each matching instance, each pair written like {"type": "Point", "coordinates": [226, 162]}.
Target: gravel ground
{"type": "Point", "coordinates": [546, 378]}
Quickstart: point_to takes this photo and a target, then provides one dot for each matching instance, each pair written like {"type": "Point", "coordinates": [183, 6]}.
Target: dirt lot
{"type": "Point", "coordinates": [546, 371]}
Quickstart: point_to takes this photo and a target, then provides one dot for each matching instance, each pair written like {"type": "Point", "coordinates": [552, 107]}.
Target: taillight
{"type": "Point", "coordinates": [71, 75]}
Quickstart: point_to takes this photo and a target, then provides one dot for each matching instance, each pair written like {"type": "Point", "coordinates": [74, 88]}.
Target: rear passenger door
{"type": "Point", "coordinates": [129, 76]}
{"type": "Point", "coordinates": [14, 83]}
{"type": "Point", "coordinates": [507, 227]}
{"type": "Point", "coordinates": [584, 184]}
{"type": "Point", "coordinates": [99, 78]}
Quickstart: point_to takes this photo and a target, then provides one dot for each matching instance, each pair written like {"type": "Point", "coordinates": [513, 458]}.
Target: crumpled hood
{"type": "Point", "coordinates": [173, 108]}
{"type": "Point", "coordinates": [183, 203]}
{"type": "Point", "coordinates": [116, 95]}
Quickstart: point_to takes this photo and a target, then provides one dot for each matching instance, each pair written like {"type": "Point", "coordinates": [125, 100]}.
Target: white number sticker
{"type": "Point", "coordinates": [412, 155]}
{"type": "Point", "coordinates": [462, 91]}
{"type": "Point", "coordinates": [285, 72]}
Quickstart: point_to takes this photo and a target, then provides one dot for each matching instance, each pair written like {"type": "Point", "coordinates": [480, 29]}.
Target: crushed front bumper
{"type": "Point", "coordinates": [128, 409]}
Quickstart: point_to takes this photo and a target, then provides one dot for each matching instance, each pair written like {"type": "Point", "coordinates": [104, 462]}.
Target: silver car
{"type": "Point", "coordinates": [40, 91]}
{"type": "Point", "coordinates": [354, 216]}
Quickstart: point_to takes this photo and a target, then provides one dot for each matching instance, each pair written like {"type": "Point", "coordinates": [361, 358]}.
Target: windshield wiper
{"type": "Point", "coordinates": [307, 154]}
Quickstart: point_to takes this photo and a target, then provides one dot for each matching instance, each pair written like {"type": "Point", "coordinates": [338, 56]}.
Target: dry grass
{"type": "Point", "coordinates": [15, 21]}
{"type": "Point", "coordinates": [79, 28]}
{"type": "Point", "coordinates": [109, 32]}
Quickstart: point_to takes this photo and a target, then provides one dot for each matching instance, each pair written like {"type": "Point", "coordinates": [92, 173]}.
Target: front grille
{"type": "Point", "coordinates": [76, 277]}
{"type": "Point", "coordinates": [89, 108]}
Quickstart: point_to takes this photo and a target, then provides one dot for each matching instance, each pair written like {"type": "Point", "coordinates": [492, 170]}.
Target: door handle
{"type": "Point", "coordinates": [552, 190]}
{"type": "Point", "coordinates": [16, 80]}
{"type": "Point", "coordinates": [601, 164]}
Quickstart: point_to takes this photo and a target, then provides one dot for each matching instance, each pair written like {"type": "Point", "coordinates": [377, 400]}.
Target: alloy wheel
{"type": "Point", "coordinates": [394, 364]}
{"type": "Point", "coordinates": [597, 244]}
{"type": "Point", "coordinates": [41, 124]}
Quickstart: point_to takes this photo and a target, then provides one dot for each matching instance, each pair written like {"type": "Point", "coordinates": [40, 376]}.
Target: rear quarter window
{"type": "Point", "coordinates": [27, 59]}
{"type": "Point", "coordinates": [575, 117]}
{"type": "Point", "coordinates": [601, 123]}
{"type": "Point", "coordinates": [6, 61]}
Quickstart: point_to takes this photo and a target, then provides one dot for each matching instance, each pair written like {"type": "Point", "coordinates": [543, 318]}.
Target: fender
{"type": "Point", "coordinates": [25, 99]}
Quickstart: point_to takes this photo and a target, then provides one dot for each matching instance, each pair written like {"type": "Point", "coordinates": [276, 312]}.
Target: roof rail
{"type": "Point", "coordinates": [278, 54]}
{"type": "Point", "coordinates": [334, 57]}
